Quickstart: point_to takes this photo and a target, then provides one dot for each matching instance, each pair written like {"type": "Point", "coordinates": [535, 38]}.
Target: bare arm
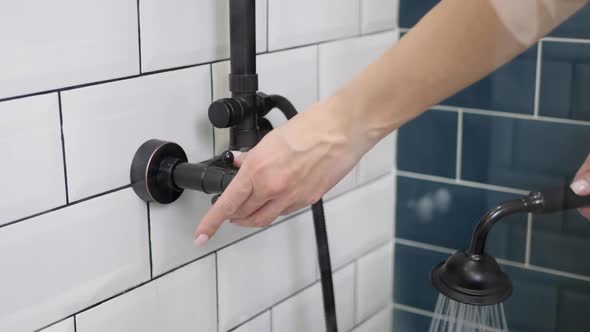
{"type": "Point", "coordinates": [456, 44]}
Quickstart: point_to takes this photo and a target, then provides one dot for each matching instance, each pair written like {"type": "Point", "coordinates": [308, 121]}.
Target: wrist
{"type": "Point", "coordinates": [359, 119]}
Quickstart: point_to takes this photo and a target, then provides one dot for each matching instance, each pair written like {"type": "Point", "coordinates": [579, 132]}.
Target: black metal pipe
{"type": "Point", "coordinates": [480, 234]}
{"type": "Point", "coordinates": [243, 80]}
{"type": "Point", "coordinates": [242, 15]}
{"type": "Point", "coordinates": [201, 177]}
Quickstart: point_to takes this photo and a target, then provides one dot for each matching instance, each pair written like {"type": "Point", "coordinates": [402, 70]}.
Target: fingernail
{"type": "Point", "coordinates": [580, 187]}
{"type": "Point", "coordinates": [201, 240]}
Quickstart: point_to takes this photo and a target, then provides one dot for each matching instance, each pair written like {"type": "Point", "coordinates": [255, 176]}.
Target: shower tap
{"type": "Point", "coordinates": [160, 170]}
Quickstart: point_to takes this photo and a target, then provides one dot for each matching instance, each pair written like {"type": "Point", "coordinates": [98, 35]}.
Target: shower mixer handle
{"type": "Point", "coordinates": [160, 172]}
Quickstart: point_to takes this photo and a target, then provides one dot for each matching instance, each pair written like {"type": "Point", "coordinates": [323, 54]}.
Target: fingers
{"type": "Point", "coordinates": [293, 208]}
{"type": "Point", "coordinates": [255, 202]}
{"type": "Point", "coordinates": [581, 184]}
{"type": "Point", "coordinates": [238, 191]}
{"type": "Point", "coordinates": [263, 216]}
{"type": "Point", "coordinates": [239, 158]}
{"type": "Point", "coordinates": [585, 212]}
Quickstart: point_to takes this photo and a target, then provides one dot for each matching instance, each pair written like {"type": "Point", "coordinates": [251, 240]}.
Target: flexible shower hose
{"type": "Point", "coordinates": [321, 234]}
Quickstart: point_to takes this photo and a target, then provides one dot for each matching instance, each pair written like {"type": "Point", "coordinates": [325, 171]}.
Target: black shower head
{"type": "Point", "coordinates": [475, 278]}
{"type": "Point", "coordinates": [472, 279]}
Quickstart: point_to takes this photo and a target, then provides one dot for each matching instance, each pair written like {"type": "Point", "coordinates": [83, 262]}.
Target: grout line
{"type": "Point", "coordinates": [75, 324]}
{"type": "Point", "coordinates": [566, 40]}
{"type": "Point", "coordinates": [557, 272]}
{"type": "Point", "coordinates": [249, 320]}
{"type": "Point", "coordinates": [413, 310]}
{"type": "Point", "coordinates": [212, 100]}
{"type": "Point", "coordinates": [317, 73]}
{"type": "Point", "coordinates": [55, 323]}
{"type": "Point", "coordinates": [114, 296]}
{"type": "Point", "coordinates": [313, 283]}
{"type": "Point", "coordinates": [360, 17]}
{"type": "Point", "coordinates": [538, 79]}
{"type": "Point", "coordinates": [445, 108]}
{"type": "Point", "coordinates": [139, 35]}
{"type": "Point", "coordinates": [149, 224]}
{"type": "Point", "coordinates": [427, 246]}
{"type": "Point", "coordinates": [160, 71]}
{"type": "Point", "coordinates": [459, 153]}
{"type": "Point", "coordinates": [502, 261]}
{"type": "Point", "coordinates": [529, 235]}
{"type": "Point", "coordinates": [217, 290]}
{"type": "Point", "coordinates": [267, 23]}
{"type": "Point", "coordinates": [270, 319]}
{"type": "Point", "coordinates": [57, 208]}
{"type": "Point", "coordinates": [524, 116]}
{"type": "Point", "coordinates": [63, 146]}
{"type": "Point", "coordinates": [373, 315]}
{"type": "Point", "coordinates": [465, 183]}
{"type": "Point", "coordinates": [355, 300]}
{"type": "Point", "coordinates": [510, 115]}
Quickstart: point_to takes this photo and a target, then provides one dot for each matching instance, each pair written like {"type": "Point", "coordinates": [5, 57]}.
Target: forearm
{"type": "Point", "coordinates": [454, 45]}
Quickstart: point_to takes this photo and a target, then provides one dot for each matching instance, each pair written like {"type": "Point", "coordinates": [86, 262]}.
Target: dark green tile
{"type": "Point", "coordinates": [428, 144]}
{"type": "Point", "coordinates": [411, 11]}
{"type": "Point", "coordinates": [511, 88]}
{"type": "Point", "coordinates": [520, 153]}
{"type": "Point", "coordinates": [445, 215]}
{"type": "Point", "coordinates": [404, 321]}
{"type": "Point", "coordinates": [561, 241]}
{"type": "Point", "coordinates": [578, 26]}
{"type": "Point", "coordinates": [565, 80]}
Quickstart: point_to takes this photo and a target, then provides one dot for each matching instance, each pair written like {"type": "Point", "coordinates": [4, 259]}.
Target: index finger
{"type": "Point", "coordinates": [585, 167]}
{"type": "Point", "coordinates": [234, 196]}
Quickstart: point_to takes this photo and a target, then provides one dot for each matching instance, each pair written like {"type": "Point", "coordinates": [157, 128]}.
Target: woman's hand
{"type": "Point", "coordinates": [293, 166]}
{"type": "Point", "coordinates": [581, 184]}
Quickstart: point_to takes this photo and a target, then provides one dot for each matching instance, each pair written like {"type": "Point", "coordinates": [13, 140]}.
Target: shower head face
{"type": "Point", "coordinates": [472, 279]}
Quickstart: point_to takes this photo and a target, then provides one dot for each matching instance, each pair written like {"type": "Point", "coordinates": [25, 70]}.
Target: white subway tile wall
{"type": "Point", "coordinates": [378, 15]}
{"type": "Point", "coordinates": [263, 269]}
{"type": "Point", "coordinates": [374, 281]}
{"type": "Point", "coordinates": [172, 32]}
{"type": "Point", "coordinates": [62, 262]}
{"type": "Point", "coordinates": [304, 311]}
{"type": "Point", "coordinates": [260, 323]}
{"type": "Point", "coordinates": [105, 124]}
{"type": "Point", "coordinates": [179, 301]}
{"type": "Point", "coordinates": [378, 160]}
{"type": "Point", "coordinates": [352, 230]}
{"type": "Point", "coordinates": [293, 23]}
{"type": "Point", "coordinates": [64, 326]}
{"type": "Point", "coordinates": [30, 136]}
{"type": "Point", "coordinates": [48, 45]}
{"type": "Point", "coordinates": [380, 322]}
{"type": "Point", "coordinates": [83, 84]}
{"type": "Point", "coordinates": [172, 232]}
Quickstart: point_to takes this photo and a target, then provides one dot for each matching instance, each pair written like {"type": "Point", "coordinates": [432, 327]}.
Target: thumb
{"type": "Point", "coordinates": [581, 184]}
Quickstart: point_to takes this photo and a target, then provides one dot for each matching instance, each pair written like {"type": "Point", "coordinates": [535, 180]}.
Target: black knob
{"type": "Point", "coordinates": [226, 112]}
